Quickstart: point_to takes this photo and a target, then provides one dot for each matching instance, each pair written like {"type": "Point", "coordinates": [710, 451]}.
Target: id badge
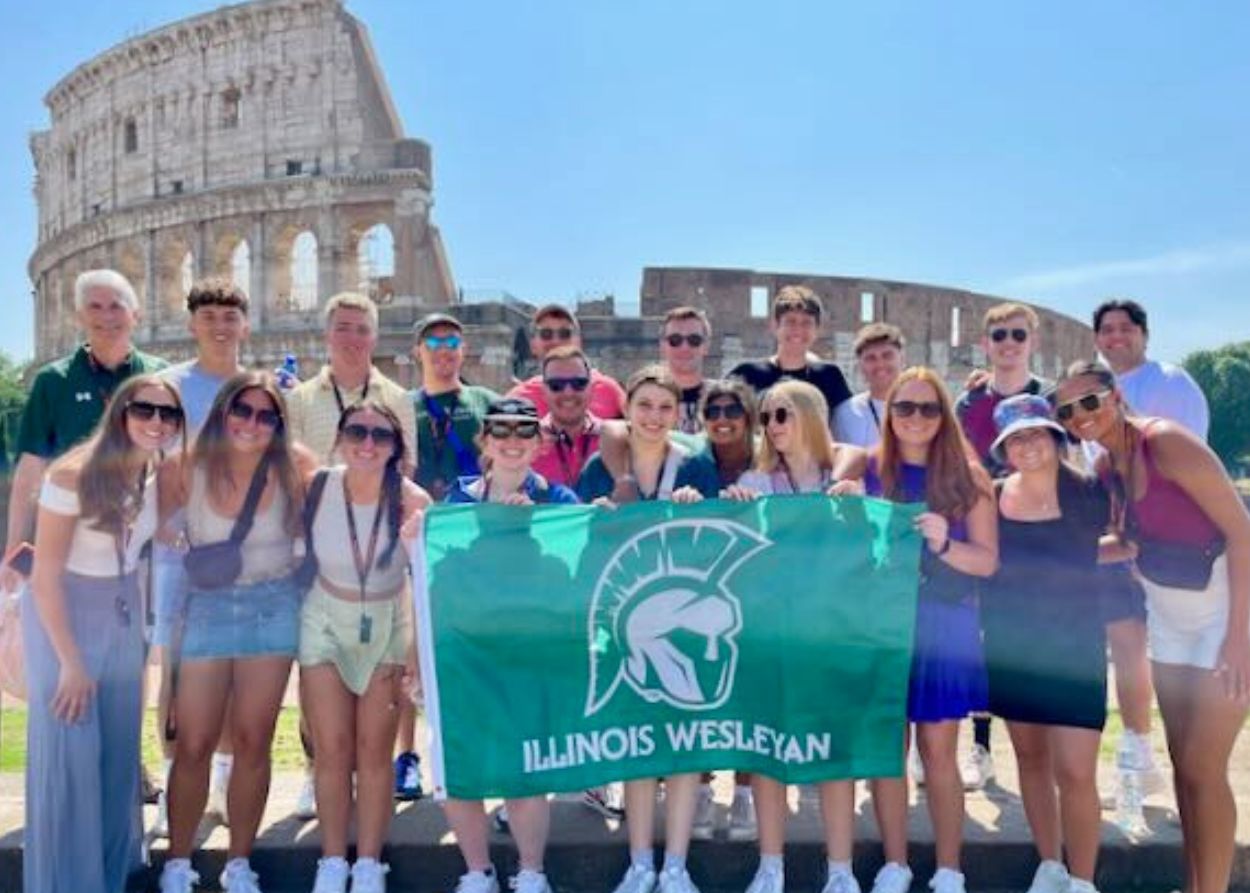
{"type": "Point", "coordinates": [366, 629]}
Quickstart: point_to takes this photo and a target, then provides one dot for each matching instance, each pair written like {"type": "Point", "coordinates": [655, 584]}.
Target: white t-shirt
{"type": "Point", "coordinates": [1167, 392]}
{"type": "Point", "coordinates": [858, 420]}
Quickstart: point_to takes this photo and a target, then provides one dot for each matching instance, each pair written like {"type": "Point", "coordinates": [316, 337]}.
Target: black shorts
{"type": "Point", "coordinates": [1120, 596]}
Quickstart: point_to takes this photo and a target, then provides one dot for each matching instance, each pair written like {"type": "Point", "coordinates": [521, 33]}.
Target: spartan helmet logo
{"type": "Point", "coordinates": [662, 618]}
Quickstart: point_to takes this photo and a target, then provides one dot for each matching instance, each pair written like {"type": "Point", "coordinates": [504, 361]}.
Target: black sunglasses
{"type": "Point", "coordinates": [694, 339]}
{"type": "Point", "coordinates": [731, 411]}
{"type": "Point", "coordinates": [577, 383]}
{"type": "Point", "coordinates": [1018, 335]}
{"type": "Point", "coordinates": [781, 414]}
{"type": "Point", "coordinates": [357, 433]}
{"type": "Point", "coordinates": [267, 417]}
{"type": "Point", "coordinates": [144, 411]}
{"type": "Point", "coordinates": [564, 333]}
{"type": "Point", "coordinates": [1089, 403]}
{"type": "Point", "coordinates": [907, 408]}
{"type": "Point", "coordinates": [504, 430]}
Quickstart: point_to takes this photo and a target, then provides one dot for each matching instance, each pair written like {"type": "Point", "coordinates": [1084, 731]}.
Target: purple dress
{"type": "Point", "coordinates": [948, 679]}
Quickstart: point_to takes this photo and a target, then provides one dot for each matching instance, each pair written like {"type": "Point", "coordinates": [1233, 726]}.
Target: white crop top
{"type": "Point", "coordinates": [93, 553]}
{"type": "Point", "coordinates": [268, 550]}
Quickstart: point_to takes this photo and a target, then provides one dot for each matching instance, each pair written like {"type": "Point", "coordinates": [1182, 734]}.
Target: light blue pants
{"type": "Point", "coordinates": [83, 800]}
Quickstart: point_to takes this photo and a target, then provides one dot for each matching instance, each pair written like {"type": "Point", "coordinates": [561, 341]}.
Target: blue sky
{"type": "Point", "coordinates": [1057, 152]}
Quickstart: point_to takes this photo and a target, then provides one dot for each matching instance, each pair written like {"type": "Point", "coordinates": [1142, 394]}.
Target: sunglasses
{"type": "Point", "coordinates": [781, 414]}
{"type": "Point", "coordinates": [357, 433]}
{"type": "Point", "coordinates": [564, 333]}
{"type": "Point", "coordinates": [1090, 403]}
{"type": "Point", "coordinates": [730, 411]}
{"type": "Point", "coordinates": [907, 408]}
{"type": "Point", "coordinates": [675, 340]}
{"type": "Point", "coordinates": [442, 342]}
{"type": "Point", "coordinates": [504, 430]}
{"type": "Point", "coordinates": [577, 383]}
{"type": "Point", "coordinates": [1017, 335]}
{"type": "Point", "coordinates": [145, 411]}
{"type": "Point", "coordinates": [266, 417]}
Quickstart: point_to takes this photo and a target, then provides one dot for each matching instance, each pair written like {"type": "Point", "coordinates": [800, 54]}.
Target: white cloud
{"type": "Point", "coordinates": [1169, 263]}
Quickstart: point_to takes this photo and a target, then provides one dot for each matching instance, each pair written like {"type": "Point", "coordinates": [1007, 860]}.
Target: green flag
{"type": "Point", "coordinates": [568, 646]}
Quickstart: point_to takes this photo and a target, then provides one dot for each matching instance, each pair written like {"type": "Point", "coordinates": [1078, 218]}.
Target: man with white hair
{"type": "Point", "coordinates": [68, 396]}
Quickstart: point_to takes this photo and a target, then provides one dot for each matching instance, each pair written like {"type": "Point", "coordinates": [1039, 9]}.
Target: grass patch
{"type": "Point", "coordinates": [287, 753]}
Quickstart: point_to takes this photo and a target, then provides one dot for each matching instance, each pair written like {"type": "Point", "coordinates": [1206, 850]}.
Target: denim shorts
{"type": "Point", "coordinates": [169, 593]}
{"type": "Point", "coordinates": [245, 620]}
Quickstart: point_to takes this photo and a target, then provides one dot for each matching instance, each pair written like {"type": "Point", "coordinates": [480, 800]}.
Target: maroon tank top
{"type": "Point", "coordinates": [1166, 512]}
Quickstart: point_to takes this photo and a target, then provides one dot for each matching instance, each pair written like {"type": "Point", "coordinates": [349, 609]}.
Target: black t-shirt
{"type": "Point", "coordinates": [825, 377]}
{"type": "Point", "coordinates": [688, 421]}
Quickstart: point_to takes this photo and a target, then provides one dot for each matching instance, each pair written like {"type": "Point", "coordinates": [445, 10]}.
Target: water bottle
{"type": "Point", "coordinates": [288, 373]}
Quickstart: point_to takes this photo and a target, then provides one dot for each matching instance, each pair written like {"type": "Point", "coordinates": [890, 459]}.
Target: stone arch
{"type": "Point", "coordinates": [232, 258]}
{"type": "Point", "coordinates": [375, 263]}
{"type": "Point", "coordinates": [241, 265]}
{"type": "Point", "coordinates": [132, 264]}
{"type": "Point", "coordinates": [295, 269]}
{"type": "Point", "coordinates": [174, 260]}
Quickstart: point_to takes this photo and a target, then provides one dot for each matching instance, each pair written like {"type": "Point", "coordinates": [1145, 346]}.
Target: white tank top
{"type": "Point", "coordinates": [268, 549]}
{"type": "Point", "coordinates": [333, 545]}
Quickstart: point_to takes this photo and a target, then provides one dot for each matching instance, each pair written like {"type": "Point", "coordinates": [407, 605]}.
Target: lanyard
{"type": "Point", "coordinates": [338, 397]}
{"type": "Point", "coordinates": [363, 565]}
{"type": "Point", "coordinates": [876, 419]}
{"type": "Point", "coordinates": [121, 542]}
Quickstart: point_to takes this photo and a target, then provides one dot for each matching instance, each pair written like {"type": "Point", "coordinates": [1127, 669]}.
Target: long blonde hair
{"type": "Point", "coordinates": [811, 419]}
{"type": "Point", "coordinates": [952, 488]}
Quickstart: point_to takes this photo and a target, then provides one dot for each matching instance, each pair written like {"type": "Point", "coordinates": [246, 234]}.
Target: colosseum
{"type": "Point", "coordinates": [260, 141]}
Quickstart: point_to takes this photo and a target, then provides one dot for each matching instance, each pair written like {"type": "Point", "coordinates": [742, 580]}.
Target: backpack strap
{"type": "Point", "coordinates": [311, 502]}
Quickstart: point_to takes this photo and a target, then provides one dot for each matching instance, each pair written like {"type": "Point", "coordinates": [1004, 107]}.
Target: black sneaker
{"type": "Point", "coordinates": [408, 777]}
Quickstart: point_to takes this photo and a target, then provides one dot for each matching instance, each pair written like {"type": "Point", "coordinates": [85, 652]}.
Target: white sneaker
{"type": "Point", "coordinates": [915, 765]}
{"type": "Point", "coordinates": [768, 880]}
{"type": "Point", "coordinates": [841, 881]}
{"type": "Point", "coordinates": [704, 814]}
{"type": "Point", "coordinates": [1050, 877]}
{"type": "Point", "coordinates": [892, 878]}
{"type": "Point", "coordinates": [239, 878]}
{"type": "Point", "coordinates": [947, 880]}
{"type": "Point", "coordinates": [332, 874]}
{"type": "Point", "coordinates": [527, 881]}
{"type": "Point", "coordinates": [1076, 885]}
{"type": "Point", "coordinates": [977, 768]}
{"type": "Point", "coordinates": [638, 879]}
{"type": "Point", "coordinates": [177, 876]}
{"type": "Point", "coordinates": [676, 880]}
{"type": "Point", "coordinates": [608, 800]}
{"type": "Point", "coordinates": [1136, 754]}
{"type": "Point", "coordinates": [217, 798]}
{"type": "Point", "coordinates": [369, 876]}
{"type": "Point", "coordinates": [478, 882]}
{"type": "Point", "coordinates": [742, 824]}
{"type": "Point", "coordinates": [306, 802]}
{"type": "Point", "coordinates": [160, 827]}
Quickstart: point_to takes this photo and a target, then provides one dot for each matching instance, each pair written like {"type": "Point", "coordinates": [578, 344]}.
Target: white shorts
{"type": "Point", "coordinates": [1187, 626]}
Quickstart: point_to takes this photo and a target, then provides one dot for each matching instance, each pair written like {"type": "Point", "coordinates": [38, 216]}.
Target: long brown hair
{"type": "Point", "coordinates": [212, 447]}
{"type": "Point", "coordinates": [952, 488]}
{"type": "Point", "coordinates": [108, 493]}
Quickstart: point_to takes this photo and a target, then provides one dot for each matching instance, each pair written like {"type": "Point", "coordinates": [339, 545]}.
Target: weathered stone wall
{"type": "Point", "coordinates": [249, 125]}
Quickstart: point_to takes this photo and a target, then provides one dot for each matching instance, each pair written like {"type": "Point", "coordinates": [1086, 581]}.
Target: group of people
{"type": "Point", "coordinates": [1061, 520]}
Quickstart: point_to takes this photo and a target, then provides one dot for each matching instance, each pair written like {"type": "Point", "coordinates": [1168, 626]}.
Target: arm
{"type": "Point", "coordinates": [306, 462]}
{"type": "Point", "coordinates": [848, 472]}
{"type": "Point", "coordinates": [54, 535]}
{"type": "Point", "coordinates": [1181, 457]}
{"type": "Point", "coordinates": [978, 556]}
{"type": "Point", "coordinates": [22, 501]}
{"type": "Point", "coordinates": [171, 496]}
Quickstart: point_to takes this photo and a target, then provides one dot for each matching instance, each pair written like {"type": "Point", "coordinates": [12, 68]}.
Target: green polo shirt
{"type": "Point", "coordinates": [437, 467]}
{"type": "Point", "coordinates": [68, 397]}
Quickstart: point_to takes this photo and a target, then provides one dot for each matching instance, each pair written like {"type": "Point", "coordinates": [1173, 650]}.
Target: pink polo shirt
{"type": "Point", "coordinates": [563, 457]}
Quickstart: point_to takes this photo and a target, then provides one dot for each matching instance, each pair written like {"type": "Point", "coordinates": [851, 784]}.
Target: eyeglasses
{"type": "Point", "coordinates": [694, 339]}
{"type": "Point", "coordinates": [576, 383]}
{"type": "Point", "coordinates": [357, 433]}
{"type": "Point", "coordinates": [267, 417]}
{"type": "Point", "coordinates": [144, 412]}
{"type": "Point", "coordinates": [731, 411]}
{"type": "Point", "coordinates": [908, 408]}
{"type": "Point", "coordinates": [564, 333]}
{"type": "Point", "coordinates": [442, 342]}
{"type": "Point", "coordinates": [1017, 335]}
{"type": "Point", "coordinates": [780, 414]}
{"type": "Point", "coordinates": [1090, 403]}
{"type": "Point", "coordinates": [504, 430]}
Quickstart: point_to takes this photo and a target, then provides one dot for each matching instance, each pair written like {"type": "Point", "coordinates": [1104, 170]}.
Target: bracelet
{"type": "Point", "coordinates": [946, 547]}
{"type": "Point", "coordinates": [627, 478]}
